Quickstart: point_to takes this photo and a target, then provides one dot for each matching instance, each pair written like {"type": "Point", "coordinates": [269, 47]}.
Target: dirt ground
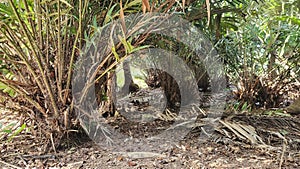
{"type": "Point", "coordinates": [205, 155]}
{"type": "Point", "coordinates": [23, 152]}
{"type": "Point", "coordinates": [238, 141]}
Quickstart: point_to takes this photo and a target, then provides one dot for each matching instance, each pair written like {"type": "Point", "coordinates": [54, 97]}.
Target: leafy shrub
{"type": "Point", "coordinates": [266, 49]}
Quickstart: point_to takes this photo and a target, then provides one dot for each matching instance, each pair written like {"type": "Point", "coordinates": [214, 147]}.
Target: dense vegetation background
{"type": "Point", "coordinates": [40, 41]}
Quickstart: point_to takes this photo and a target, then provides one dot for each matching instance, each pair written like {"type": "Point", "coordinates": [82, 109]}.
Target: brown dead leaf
{"type": "Point", "coordinates": [122, 17]}
{"type": "Point", "coordinates": [145, 5]}
{"type": "Point", "coordinates": [120, 158]}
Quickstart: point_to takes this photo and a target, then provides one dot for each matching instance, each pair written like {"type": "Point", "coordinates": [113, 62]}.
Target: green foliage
{"type": "Point", "coordinates": [220, 17]}
{"type": "Point", "coordinates": [276, 112]}
{"type": "Point", "coordinates": [237, 106]}
{"type": "Point", "coordinates": [5, 88]}
{"type": "Point", "coordinates": [16, 132]}
{"type": "Point", "coordinates": [8, 129]}
{"type": "Point", "coordinates": [266, 49]}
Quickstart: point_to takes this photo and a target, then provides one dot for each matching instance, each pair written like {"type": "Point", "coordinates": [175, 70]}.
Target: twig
{"type": "Point", "coordinates": [139, 155]}
{"type": "Point", "coordinates": [51, 156]}
{"type": "Point", "coordinates": [52, 142]}
{"type": "Point", "coordinates": [283, 152]}
{"type": "Point", "coordinates": [283, 147]}
{"type": "Point", "coordinates": [22, 159]}
{"type": "Point", "coordinates": [10, 165]}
